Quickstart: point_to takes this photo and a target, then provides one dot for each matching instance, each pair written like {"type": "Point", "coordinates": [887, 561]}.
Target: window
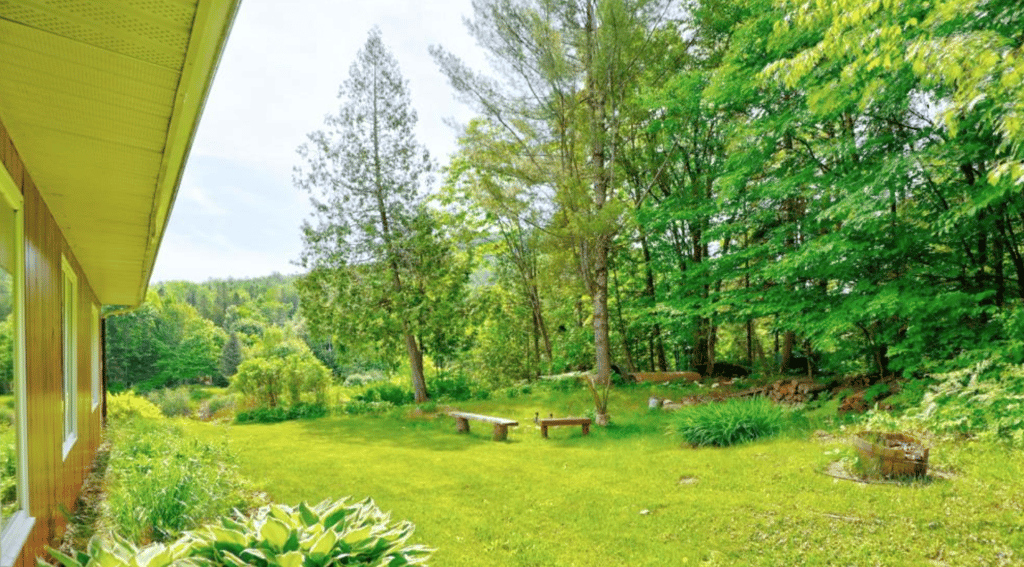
{"type": "Point", "coordinates": [69, 393]}
{"type": "Point", "coordinates": [15, 524]}
{"type": "Point", "coordinates": [97, 356]}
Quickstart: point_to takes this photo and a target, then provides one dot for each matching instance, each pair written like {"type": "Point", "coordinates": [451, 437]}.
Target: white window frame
{"type": "Point", "coordinates": [69, 328]}
{"type": "Point", "coordinates": [16, 529]}
{"type": "Point", "coordinates": [97, 356]}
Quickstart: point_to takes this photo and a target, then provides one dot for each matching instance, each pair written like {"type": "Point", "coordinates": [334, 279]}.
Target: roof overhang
{"type": "Point", "coordinates": [102, 100]}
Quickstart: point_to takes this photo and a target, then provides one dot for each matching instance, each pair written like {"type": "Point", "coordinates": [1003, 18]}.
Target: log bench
{"type": "Point", "coordinates": [560, 421]}
{"type": "Point", "coordinates": [663, 376]}
{"type": "Point", "coordinates": [501, 424]}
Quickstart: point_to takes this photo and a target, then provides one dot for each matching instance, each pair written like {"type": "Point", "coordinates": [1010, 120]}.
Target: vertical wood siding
{"type": "Point", "coordinates": [54, 481]}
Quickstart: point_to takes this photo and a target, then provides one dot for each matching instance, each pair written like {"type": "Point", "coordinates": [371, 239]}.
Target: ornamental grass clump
{"type": "Point", "coordinates": [330, 533]}
{"type": "Point", "coordinates": [161, 483]}
{"type": "Point", "coordinates": [729, 423]}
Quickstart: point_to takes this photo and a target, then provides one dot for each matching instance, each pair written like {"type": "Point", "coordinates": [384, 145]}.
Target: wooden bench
{"type": "Point", "coordinates": [547, 422]}
{"type": "Point", "coordinates": [501, 424]}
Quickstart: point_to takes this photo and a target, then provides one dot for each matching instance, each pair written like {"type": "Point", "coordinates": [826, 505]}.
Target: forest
{"type": "Point", "coordinates": [830, 188]}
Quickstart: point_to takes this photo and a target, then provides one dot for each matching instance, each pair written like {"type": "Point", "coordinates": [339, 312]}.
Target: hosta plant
{"type": "Point", "coordinates": [330, 533]}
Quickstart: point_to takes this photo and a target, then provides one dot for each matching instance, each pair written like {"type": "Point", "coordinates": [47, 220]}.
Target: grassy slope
{"type": "Point", "coordinates": [578, 501]}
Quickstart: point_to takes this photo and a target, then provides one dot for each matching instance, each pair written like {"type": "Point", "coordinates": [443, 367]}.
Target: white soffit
{"type": "Point", "coordinates": [102, 99]}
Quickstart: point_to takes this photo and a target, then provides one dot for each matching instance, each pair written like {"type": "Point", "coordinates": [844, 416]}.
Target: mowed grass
{"type": "Point", "coordinates": [630, 494]}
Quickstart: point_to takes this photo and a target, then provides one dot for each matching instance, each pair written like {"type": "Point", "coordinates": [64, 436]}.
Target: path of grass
{"type": "Point", "coordinates": [629, 495]}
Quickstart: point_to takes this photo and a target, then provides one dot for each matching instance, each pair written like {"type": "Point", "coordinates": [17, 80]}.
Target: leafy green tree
{"type": "Point", "coordinates": [568, 65]}
{"type": "Point", "coordinates": [282, 366]}
{"type": "Point", "coordinates": [364, 174]}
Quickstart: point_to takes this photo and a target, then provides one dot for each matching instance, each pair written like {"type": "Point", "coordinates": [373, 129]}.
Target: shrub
{"type": "Point", "coordinates": [729, 423]}
{"type": "Point", "coordinates": [361, 379]}
{"type": "Point", "coordinates": [330, 533]}
{"type": "Point", "coordinates": [220, 404]}
{"type": "Point", "coordinates": [172, 402]}
{"type": "Point", "coordinates": [456, 387]}
{"type": "Point", "coordinates": [358, 407]}
{"type": "Point", "coordinates": [385, 392]}
{"type": "Point", "coordinates": [160, 483]}
{"type": "Point", "coordinates": [129, 405]}
{"type": "Point", "coordinates": [280, 413]}
{"type": "Point", "coordinates": [985, 400]}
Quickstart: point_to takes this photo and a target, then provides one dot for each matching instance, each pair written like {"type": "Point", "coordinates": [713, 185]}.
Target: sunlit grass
{"type": "Point", "coordinates": [630, 494]}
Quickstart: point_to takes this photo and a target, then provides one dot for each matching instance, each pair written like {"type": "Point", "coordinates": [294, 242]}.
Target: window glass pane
{"type": "Point", "coordinates": [8, 359]}
{"type": "Point", "coordinates": [69, 393]}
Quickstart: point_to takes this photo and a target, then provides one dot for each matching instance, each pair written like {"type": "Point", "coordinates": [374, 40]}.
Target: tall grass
{"type": "Point", "coordinates": [161, 482]}
{"type": "Point", "coordinates": [729, 423]}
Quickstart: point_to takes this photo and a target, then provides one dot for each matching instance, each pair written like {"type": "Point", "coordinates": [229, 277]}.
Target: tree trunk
{"type": "Point", "coordinates": [419, 385]}
{"type": "Point", "coordinates": [626, 348]}
{"type": "Point", "coordinates": [660, 363]}
{"type": "Point", "coordinates": [596, 105]}
{"type": "Point", "coordinates": [788, 340]}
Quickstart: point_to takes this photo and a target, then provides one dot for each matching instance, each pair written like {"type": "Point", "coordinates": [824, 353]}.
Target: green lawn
{"type": "Point", "coordinates": [630, 495]}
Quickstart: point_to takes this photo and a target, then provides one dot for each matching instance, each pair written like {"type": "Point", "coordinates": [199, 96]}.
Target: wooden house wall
{"type": "Point", "coordinates": [54, 481]}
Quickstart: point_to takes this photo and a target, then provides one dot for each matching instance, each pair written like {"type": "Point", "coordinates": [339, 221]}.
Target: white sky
{"type": "Point", "coordinates": [237, 213]}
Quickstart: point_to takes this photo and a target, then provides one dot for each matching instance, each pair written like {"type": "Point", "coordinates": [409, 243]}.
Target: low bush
{"type": "Point", "coordinates": [985, 401]}
{"type": "Point", "coordinates": [363, 378]}
{"type": "Point", "coordinates": [280, 413]}
{"type": "Point", "coordinates": [457, 387]}
{"type": "Point", "coordinates": [729, 423]}
{"type": "Point", "coordinates": [358, 407]}
{"type": "Point", "coordinates": [221, 405]}
{"type": "Point", "coordinates": [330, 533]}
{"type": "Point", "coordinates": [385, 392]}
{"type": "Point", "coordinates": [160, 483]}
{"type": "Point", "coordinates": [173, 402]}
{"type": "Point", "coordinates": [129, 405]}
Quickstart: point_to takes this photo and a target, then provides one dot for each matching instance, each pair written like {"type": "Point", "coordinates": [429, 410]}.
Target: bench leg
{"type": "Point", "coordinates": [461, 425]}
{"type": "Point", "coordinates": [500, 432]}
{"type": "Point", "coordinates": [586, 428]}
{"type": "Point", "coordinates": [544, 431]}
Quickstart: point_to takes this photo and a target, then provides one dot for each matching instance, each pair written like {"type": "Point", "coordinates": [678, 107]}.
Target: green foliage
{"type": "Point", "coordinates": [363, 378]}
{"type": "Point", "coordinates": [359, 407]}
{"type": "Point", "coordinates": [729, 423]}
{"type": "Point", "coordinates": [173, 402]}
{"type": "Point", "coordinates": [385, 392]}
{"type": "Point", "coordinates": [161, 483]}
{"type": "Point", "coordinates": [456, 387]}
{"type": "Point", "coordinates": [281, 413]}
{"type": "Point", "coordinates": [875, 392]}
{"type": "Point", "coordinates": [281, 369]}
{"type": "Point", "coordinates": [230, 358]}
{"type": "Point", "coordinates": [129, 405]}
{"type": "Point", "coordinates": [6, 353]}
{"type": "Point", "coordinates": [985, 400]}
{"type": "Point", "coordinates": [8, 470]}
{"type": "Point", "coordinates": [330, 533]}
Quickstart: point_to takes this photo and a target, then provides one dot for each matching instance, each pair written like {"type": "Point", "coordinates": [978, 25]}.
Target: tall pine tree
{"type": "Point", "coordinates": [364, 172]}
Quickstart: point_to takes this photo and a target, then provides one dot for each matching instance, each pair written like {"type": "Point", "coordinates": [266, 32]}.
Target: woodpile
{"type": "Point", "coordinates": [788, 391]}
